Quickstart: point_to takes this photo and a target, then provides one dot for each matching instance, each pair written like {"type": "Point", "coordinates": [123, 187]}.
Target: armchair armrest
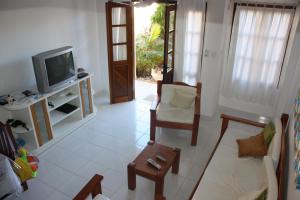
{"type": "Point", "coordinates": [155, 104]}
{"type": "Point", "coordinates": [92, 187]}
{"type": "Point", "coordinates": [197, 105]}
{"type": "Point", "coordinates": [227, 118]}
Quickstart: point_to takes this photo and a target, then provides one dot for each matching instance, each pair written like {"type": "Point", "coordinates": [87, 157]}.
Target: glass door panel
{"type": "Point", "coordinates": [119, 34]}
{"type": "Point", "coordinates": [170, 60]}
{"type": "Point", "coordinates": [119, 52]}
{"type": "Point", "coordinates": [118, 15]}
{"type": "Point", "coordinates": [172, 21]}
{"type": "Point", "coordinates": [86, 97]}
{"type": "Point", "coordinates": [171, 41]}
{"type": "Point", "coordinates": [41, 122]}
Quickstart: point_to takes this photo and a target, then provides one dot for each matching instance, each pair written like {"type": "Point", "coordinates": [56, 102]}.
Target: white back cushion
{"type": "Point", "coordinates": [167, 91]}
{"type": "Point", "coordinates": [275, 146]}
{"type": "Point", "coordinates": [271, 178]}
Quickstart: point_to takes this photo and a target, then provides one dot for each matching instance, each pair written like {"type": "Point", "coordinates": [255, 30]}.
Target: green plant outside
{"type": "Point", "coordinates": [150, 45]}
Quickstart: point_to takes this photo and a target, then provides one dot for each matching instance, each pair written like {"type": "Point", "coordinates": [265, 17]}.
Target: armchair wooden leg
{"type": "Point", "coordinates": [195, 131]}
{"type": "Point", "coordinates": [152, 125]}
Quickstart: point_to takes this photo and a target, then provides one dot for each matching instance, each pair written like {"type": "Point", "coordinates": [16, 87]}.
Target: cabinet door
{"type": "Point", "coordinates": [86, 97]}
{"type": "Point", "coordinates": [41, 122]}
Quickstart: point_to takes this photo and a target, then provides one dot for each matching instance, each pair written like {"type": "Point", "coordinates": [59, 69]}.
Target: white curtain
{"type": "Point", "coordinates": [189, 39]}
{"type": "Point", "coordinates": [257, 50]}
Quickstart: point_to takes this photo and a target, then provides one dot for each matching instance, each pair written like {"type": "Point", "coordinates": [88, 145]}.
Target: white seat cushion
{"type": "Point", "coordinates": [166, 112]}
{"type": "Point", "coordinates": [227, 176]}
{"type": "Point", "coordinates": [101, 197]}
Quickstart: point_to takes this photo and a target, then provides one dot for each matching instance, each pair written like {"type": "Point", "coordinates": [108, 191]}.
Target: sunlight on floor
{"type": "Point", "coordinates": [145, 90]}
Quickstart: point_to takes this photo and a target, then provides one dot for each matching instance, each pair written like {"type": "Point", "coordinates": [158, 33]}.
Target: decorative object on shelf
{"type": "Point", "coordinates": [16, 123]}
{"type": "Point", "coordinates": [3, 100]}
{"type": "Point", "coordinates": [28, 93]}
{"type": "Point", "coordinates": [10, 100]}
{"type": "Point", "coordinates": [67, 108]}
{"type": "Point", "coordinates": [81, 73]}
{"type": "Point", "coordinates": [297, 139]}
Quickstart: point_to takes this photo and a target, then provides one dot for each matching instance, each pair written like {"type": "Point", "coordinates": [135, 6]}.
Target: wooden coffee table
{"type": "Point", "coordinates": [140, 166]}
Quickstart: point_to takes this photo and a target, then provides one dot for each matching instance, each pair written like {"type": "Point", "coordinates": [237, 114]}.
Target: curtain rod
{"type": "Point", "coordinates": [267, 4]}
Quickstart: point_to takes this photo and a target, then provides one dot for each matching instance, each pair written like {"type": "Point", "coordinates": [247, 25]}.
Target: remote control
{"type": "Point", "coordinates": [153, 163]}
{"type": "Point", "coordinates": [161, 158]}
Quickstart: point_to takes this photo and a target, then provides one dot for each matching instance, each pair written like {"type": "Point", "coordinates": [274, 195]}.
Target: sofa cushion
{"type": "Point", "coordinates": [271, 178]}
{"type": "Point", "coordinates": [181, 99]}
{"type": "Point", "coordinates": [275, 145]}
{"type": "Point", "coordinates": [254, 146]}
{"type": "Point", "coordinates": [167, 91]}
{"type": "Point", "coordinates": [254, 195]}
{"type": "Point", "coordinates": [227, 177]}
{"type": "Point", "coordinates": [166, 112]}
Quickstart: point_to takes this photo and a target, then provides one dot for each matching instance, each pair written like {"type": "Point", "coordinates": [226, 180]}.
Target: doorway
{"type": "Point", "coordinates": [149, 22]}
{"type": "Point", "coordinates": [141, 43]}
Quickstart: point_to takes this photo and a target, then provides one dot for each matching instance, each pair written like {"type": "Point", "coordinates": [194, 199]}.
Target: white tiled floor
{"type": "Point", "coordinates": [107, 143]}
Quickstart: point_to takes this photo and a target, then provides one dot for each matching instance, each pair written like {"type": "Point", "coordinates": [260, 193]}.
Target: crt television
{"type": "Point", "coordinates": [54, 68]}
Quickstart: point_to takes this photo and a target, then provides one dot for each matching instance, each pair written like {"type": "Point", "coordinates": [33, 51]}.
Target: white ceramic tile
{"type": "Point", "coordinates": [73, 185]}
{"type": "Point", "coordinates": [107, 143]}
{"type": "Point", "coordinates": [90, 168]}
{"type": "Point", "coordinates": [57, 196]}
{"type": "Point", "coordinates": [114, 180]}
{"type": "Point", "coordinates": [37, 190]}
{"type": "Point", "coordinates": [53, 175]}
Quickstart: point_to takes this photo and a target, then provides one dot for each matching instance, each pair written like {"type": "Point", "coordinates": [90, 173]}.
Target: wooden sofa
{"type": "Point", "coordinates": [214, 184]}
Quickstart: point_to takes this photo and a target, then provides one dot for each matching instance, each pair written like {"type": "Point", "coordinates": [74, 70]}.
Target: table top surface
{"type": "Point", "coordinates": [150, 151]}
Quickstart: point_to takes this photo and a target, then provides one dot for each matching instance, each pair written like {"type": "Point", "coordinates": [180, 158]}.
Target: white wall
{"type": "Point", "coordinates": [211, 69]}
{"type": "Point", "coordinates": [32, 26]}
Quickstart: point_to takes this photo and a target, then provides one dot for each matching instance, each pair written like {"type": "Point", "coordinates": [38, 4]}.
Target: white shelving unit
{"type": "Point", "coordinates": [46, 123]}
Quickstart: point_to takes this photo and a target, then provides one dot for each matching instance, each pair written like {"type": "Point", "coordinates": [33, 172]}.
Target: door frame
{"type": "Point", "coordinates": [130, 50]}
{"type": "Point", "coordinates": [169, 7]}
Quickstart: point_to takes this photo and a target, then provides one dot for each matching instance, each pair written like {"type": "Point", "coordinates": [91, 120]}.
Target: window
{"type": "Point", "coordinates": [259, 45]}
{"type": "Point", "coordinates": [257, 50]}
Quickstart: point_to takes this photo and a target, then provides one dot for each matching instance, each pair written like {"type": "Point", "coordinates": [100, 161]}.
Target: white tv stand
{"type": "Point", "coordinates": [46, 123]}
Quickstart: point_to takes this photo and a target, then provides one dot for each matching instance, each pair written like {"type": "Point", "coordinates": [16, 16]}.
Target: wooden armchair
{"type": "Point", "coordinates": [8, 146]}
{"type": "Point", "coordinates": [163, 115]}
{"type": "Point", "coordinates": [93, 187]}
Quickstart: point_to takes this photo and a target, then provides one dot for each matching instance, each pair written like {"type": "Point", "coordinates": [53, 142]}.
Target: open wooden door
{"type": "Point", "coordinates": [169, 47]}
{"type": "Point", "coordinates": [119, 21]}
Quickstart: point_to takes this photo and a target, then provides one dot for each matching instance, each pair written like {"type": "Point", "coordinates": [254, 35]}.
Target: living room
{"type": "Point", "coordinates": [106, 135]}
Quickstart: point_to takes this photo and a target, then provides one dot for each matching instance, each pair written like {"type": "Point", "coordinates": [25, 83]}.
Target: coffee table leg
{"type": "Point", "coordinates": [175, 166]}
{"type": "Point", "coordinates": [159, 186]}
{"type": "Point", "coordinates": [131, 176]}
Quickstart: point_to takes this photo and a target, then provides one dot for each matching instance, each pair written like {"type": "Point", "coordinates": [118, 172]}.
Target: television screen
{"type": "Point", "coordinates": [60, 68]}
